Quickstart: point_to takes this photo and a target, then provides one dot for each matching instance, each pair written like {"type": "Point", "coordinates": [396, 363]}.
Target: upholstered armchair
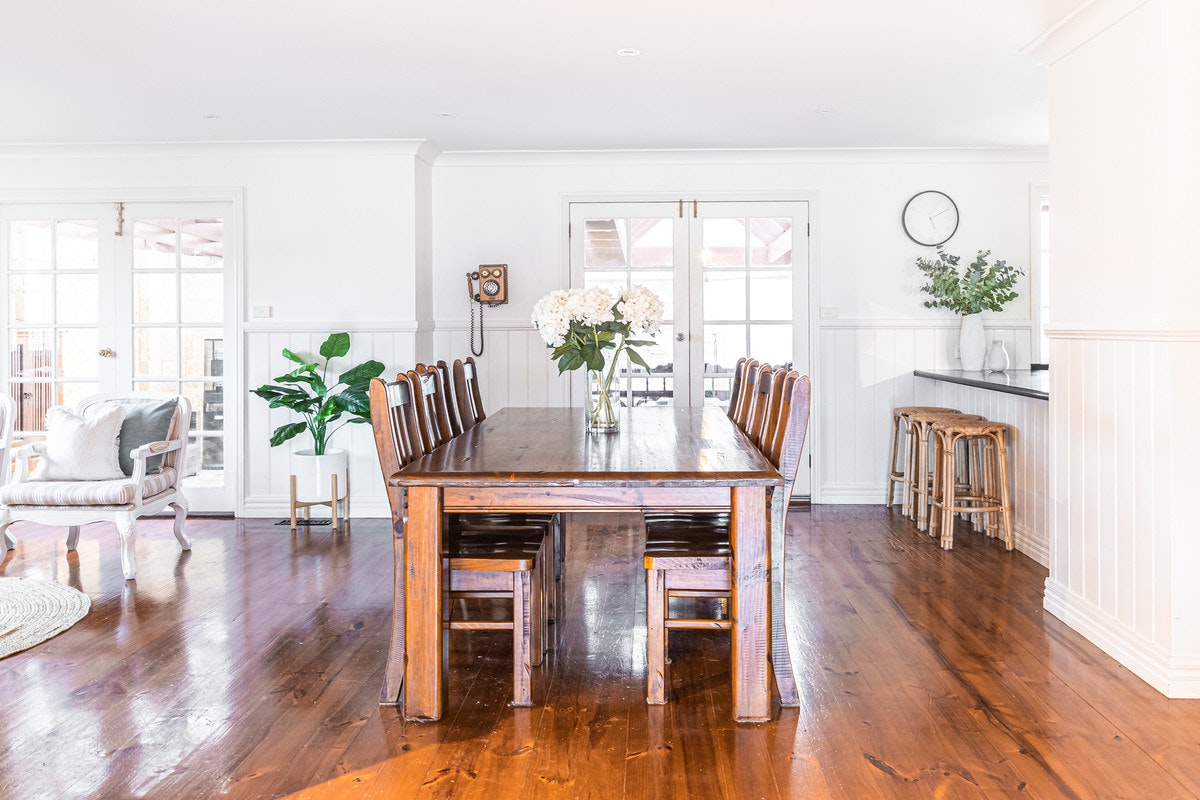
{"type": "Point", "coordinates": [117, 457]}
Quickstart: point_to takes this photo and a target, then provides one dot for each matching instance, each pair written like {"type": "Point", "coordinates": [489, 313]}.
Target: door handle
{"type": "Point", "coordinates": [679, 337]}
{"type": "Point", "coordinates": [106, 352]}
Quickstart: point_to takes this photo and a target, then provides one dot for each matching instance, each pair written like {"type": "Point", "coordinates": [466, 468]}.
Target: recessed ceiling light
{"type": "Point", "coordinates": [629, 52]}
{"type": "Point", "coordinates": [444, 115]}
{"type": "Point", "coordinates": [211, 116]}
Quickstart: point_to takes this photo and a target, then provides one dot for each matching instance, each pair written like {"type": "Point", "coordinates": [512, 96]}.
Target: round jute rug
{"type": "Point", "coordinates": [33, 610]}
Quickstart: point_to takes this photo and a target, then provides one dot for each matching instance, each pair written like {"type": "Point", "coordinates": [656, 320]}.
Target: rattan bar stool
{"type": "Point", "coordinates": [920, 423]}
{"type": "Point", "coordinates": [985, 497]}
{"type": "Point", "coordinates": [902, 476]}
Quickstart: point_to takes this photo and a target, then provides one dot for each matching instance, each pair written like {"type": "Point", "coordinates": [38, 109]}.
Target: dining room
{"type": "Point", "coordinates": [758, 187]}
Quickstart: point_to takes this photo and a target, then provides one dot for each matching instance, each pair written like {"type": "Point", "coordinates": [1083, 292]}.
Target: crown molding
{"type": "Point", "coordinates": [1076, 29]}
{"type": "Point", "coordinates": [378, 147]}
{"type": "Point", "coordinates": [878, 155]}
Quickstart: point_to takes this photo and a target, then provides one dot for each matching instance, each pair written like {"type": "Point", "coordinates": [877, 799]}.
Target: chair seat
{"type": "Point", "coordinates": [85, 493]}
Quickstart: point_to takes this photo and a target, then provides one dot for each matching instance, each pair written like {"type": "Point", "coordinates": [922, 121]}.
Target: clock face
{"type": "Point", "coordinates": [930, 218]}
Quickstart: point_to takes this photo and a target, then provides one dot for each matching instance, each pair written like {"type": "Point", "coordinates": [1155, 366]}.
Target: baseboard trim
{"type": "Point", "coordinates": [1174, 677]}
{"type": "Point", "coordinates": [267, 506]}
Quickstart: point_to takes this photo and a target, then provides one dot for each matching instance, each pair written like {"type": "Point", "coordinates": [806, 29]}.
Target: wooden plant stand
{"type": "Point", "coordinates": [332, 503]}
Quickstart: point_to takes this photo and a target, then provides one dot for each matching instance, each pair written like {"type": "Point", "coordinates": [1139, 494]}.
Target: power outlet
{"type": "Point", "coordinates": [829, 312]}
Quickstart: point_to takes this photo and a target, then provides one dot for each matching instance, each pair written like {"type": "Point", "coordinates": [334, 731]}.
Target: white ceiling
{"type": "Point", "coordinates": [528, 74]}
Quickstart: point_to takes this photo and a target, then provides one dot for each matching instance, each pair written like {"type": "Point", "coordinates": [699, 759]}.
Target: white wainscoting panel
{"type": "Point", "coordinates": [862, 370]}
{"type": "Point", "coordinates": [266, 468]}
{"type": "Point", "coordinates": [515, 368]}
{"type": "Point", "coordinates": [1124, 477]}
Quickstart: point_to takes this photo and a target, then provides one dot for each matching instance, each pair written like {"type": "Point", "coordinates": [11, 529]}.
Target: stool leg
{"type": "Point", "coordinates": [990, 490]}
{"type": "Point", "coordinates": [906, 481]}
{"type": "Point", "coordinates": [936, 496]}
{"type": "Point", "coordinates": [921, 478]}
{"type": "Point", "coordinates": [1005, 500]}
{"type": "Point", "coordinates": [891, 476]}
{"type": "Point", "coordinates": [948, 487]}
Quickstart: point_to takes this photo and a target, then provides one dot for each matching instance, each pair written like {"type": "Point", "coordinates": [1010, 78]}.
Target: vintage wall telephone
{"type": "Point", "coordinates": [486, 286]}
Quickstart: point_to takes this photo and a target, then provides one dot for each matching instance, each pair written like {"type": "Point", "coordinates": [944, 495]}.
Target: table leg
{"type": "Point", "coordinates": [424, 678]}
{"type": "Point", "coordinates": [781, 651]}
{"type": "Point", "coordinates": [751, 604]}
{"type": "Point", "coordinates": [393, 676]}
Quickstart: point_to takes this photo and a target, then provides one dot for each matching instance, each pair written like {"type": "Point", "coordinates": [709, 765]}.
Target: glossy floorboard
{"type": "Point", "coordinates": [251, 667]}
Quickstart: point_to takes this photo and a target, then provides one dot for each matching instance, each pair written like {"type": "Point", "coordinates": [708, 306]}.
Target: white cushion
{"type": "Point", "coordinates": [79, 449]}
{"type": "Point", "coordinates": [85, 493]}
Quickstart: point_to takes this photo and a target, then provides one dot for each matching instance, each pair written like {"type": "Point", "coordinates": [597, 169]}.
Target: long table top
{"type": "Point", "coordinates": [656, 446]}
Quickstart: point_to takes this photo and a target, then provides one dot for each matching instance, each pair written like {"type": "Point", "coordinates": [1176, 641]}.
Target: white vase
{"type": "Point", "coordinates": [997, 358]}
{"type": "Point", "coordinates": [972, 347]}
{"type": "Point", "coordinates": [313, 474]}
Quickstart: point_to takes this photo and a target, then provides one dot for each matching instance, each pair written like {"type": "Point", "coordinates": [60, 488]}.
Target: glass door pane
{"type": "Point", "coordinates": [618, 245]}
{"type": "Point", "coordinates": [178, 292]}
{"type": "Point", "coordinates": [51, 276]}
{"type": "Point", "coordinates": [743, 257]}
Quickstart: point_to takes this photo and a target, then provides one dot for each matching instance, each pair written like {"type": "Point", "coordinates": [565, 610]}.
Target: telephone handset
{"type": "Point", "coordinates": [486, 286]}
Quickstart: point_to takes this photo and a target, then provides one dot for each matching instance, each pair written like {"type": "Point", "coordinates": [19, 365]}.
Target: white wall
{"type": "Point", "coordinates": [333, 233]}
{"type": "Point", "coordinates": [1125, 343]}
{"type": "Point", "coordinates": [509, 208]}
{"type": "Point", "coordinates": [388, 231]}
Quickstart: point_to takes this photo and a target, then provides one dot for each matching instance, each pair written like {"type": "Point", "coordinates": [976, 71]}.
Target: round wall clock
{"type": "Point", "coordinates": [930, 218]}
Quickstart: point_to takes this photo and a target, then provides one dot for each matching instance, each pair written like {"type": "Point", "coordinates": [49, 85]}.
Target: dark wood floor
{"type": "Point", "coordinates": [251, 667]}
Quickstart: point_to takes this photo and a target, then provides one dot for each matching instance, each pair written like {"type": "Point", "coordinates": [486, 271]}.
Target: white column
{"type": "Point", "coordinates": [1125, 352]}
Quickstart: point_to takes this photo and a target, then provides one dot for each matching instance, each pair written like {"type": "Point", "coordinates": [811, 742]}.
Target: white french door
{"type": "Point", "coordinates": [104, 298]}
{"type": "Point", "coordinates": [733, 275]}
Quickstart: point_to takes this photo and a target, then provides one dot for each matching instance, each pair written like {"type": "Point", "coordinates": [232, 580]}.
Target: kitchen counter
{"type": "Point", "coordinates": [1024, 382]}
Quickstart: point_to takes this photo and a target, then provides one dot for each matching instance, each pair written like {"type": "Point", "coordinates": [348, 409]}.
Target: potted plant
{"type": "Point", "coordinates": [306, 391]}
{"type": "Point", "coordinates": [982, 286]}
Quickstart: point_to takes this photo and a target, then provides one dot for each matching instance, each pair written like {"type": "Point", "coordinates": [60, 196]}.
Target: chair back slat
{"type": "Point", "coordinates": [433, 393]}
{"type": "Point", "coordinates": [736, 388]}
{"type": "Point", "coordinates": [770, 395]}
{"type": "Point", "coordinates": [467, 393]}
{"type": "Point", "coordinates": [425, 390]}
{"type": "Point", "coordinates": [745, 396]}
{"type": "Point", "coordinates": [760, 394]}
{"type": "Point", "coordinates": [447, 381]}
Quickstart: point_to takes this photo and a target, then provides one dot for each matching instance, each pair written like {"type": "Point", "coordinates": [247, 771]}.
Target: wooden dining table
{"type": "Point", "coordinates": [543, 460]}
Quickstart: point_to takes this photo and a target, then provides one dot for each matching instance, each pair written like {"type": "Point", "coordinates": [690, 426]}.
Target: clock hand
{"type": "Point", "coordinates": [938, 214]}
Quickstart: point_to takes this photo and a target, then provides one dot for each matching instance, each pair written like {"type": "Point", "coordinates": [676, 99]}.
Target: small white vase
{"type": "Point", "coordinates": [997, 359]}
{"type": "Point", "coordinates": [313, 474]}
{"type": "Point", "coordinates": [972, 347]}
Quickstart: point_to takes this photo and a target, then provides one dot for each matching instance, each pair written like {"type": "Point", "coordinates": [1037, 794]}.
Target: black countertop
{"type": "Point", "coordinates": [1027, 383]}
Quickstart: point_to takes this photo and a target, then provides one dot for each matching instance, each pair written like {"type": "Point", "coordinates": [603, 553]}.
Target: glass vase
{"type": "Point", "coordinates": [603, 400]}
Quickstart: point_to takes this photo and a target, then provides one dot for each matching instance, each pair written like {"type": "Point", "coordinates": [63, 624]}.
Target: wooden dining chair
{"type": "Point", "coordinates": [689, 555]}
{"type": "Point", "coordinates": [508, 563]}
{"type": "Point", "coordinates": [467, 393]}
{"type": "Point", "coordinates": [436, 423]}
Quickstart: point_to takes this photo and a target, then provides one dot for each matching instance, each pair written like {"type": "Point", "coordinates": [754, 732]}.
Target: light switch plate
{"type": "Point", "coordinates": [260, 312]}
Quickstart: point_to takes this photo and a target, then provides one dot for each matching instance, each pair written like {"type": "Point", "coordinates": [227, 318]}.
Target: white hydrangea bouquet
{"type": "Point", "coordinates": [591, 328]}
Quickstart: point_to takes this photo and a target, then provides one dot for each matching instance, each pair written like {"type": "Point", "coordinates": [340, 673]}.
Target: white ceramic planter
{"type": "Point", "coordinates": [312, 474]}
{"type": "Point", "coordinates": [972, 347]}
